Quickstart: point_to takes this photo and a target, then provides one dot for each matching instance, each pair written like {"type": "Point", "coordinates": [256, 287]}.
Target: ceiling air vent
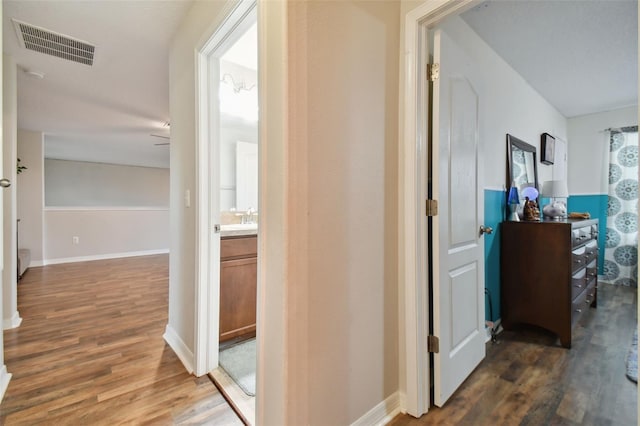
{"type": "Point", "coordinates": [55, 44]}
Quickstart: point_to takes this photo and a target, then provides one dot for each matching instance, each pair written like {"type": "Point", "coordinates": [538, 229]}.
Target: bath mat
{"type": "Point", "coordinates": [239, 361]}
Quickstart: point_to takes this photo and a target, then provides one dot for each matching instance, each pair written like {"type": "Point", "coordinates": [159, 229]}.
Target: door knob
{"type": "Point", "coordinates": [485, 230]}
{"type": "Point", "coordinates": [5, 183]}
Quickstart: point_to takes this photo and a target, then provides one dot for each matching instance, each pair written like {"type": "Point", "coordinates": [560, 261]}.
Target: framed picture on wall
{"type": "Point", "coordinates": [547, 148]}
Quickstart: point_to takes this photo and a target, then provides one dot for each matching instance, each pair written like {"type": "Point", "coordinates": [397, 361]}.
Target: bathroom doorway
{"type": "Point", "coordinates": [238, 136]}
{"type": "Point", "coordinates": [228, 213]}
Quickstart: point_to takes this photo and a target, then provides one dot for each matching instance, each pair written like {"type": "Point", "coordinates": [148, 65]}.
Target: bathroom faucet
{"type": "Point", "coordinates": [248, 216]}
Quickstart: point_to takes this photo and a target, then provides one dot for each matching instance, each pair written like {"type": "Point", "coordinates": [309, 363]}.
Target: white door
{"type": "Point", "coordinates": [458, 248]}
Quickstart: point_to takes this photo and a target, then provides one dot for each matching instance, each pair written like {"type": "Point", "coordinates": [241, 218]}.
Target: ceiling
{"type": "Point", "coordinates": [579, 55]}
{"type": "Point", "coordinates": [105, 112]}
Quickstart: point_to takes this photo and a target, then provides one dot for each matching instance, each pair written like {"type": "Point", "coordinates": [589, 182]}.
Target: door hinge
{"type": "Point", "coordinates": [433, 344]}
{"type": "Point", "coordinates": [433, 72]}
{"type": "Point", "coordinates": [432, 207]}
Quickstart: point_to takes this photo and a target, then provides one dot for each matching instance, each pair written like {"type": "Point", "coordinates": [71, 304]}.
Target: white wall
{"type": "Point", "coordinates": [589, 149]}
{"type": "Point", "coordinates": [11, 317]}
{"type": "Point", "coordinates": [509, 105]}
{"type": "Point", "coordinates": [351, 57]}
{"type": "Point", "coordinates": [194, 30]}
{"type": "Point", "coordinates": [5, 377]}
{"type": "Point", "coordinates": [131, 217]}
{"type": "Point", "coordinates": [30, 197]}
{"type": "Point", "coordinates": [334, 179]}
{"type": "Point", "coordinates": [104, 233]}
{"type": "Point", "coordinates": [80, 183]}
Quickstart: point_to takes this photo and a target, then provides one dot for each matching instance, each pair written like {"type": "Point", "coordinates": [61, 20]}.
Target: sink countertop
{"type": "Point", "coordinates": [239, 230]}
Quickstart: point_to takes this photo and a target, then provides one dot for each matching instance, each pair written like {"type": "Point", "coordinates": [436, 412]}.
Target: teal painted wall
{"type": "Point", "coordinates": [596, 205]}
{"type": "Point", "coordinates": [494, 214]}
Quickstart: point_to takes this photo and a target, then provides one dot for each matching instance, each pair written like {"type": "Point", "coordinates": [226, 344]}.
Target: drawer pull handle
{"type": "Point", "coordinates": [587, 302]}
{"type": "Point", "coordinates": [579, 285]}
{"type": "Point", "coordinates": [578, 261]}
{"type": "Point", "coordinates": [578, 310]}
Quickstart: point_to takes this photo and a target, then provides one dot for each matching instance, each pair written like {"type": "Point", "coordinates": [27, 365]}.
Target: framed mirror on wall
{"type": "Point", "coordinates": [522, 169]}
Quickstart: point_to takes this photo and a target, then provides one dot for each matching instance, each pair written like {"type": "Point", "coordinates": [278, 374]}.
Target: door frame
{"type": "Point", "coordinates": [207, 291]}
{"type": "Point", "coordinates": [414, 306]}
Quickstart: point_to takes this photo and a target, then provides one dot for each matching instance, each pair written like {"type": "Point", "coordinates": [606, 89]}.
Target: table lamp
{"type": "Point", "coordinates": [513, 200]}
{"type": "Point", "coordinates": [554, 189]}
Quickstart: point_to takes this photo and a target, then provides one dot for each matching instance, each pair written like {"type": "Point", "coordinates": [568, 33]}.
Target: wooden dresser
{"type": "Point", "coordinates": [238, 286]}
{"type": "Point", "coordinates": [549, 273]}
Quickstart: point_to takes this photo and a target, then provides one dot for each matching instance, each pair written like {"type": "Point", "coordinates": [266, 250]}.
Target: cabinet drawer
{"type": "Point", "coordinates": [591, 250]}
{"type": "Point", "coordinates": [592, 270]}
{"type": "Point", "coordinates": [580, 235]}
{"type": "Point", "coordinates": [233, 248]}
{"type": "Point", "coordinates": [578, 283]}
{"type": "Point", "coordinates": [581, 303]}
{"type": "Point", "coordinates": [578, 258]}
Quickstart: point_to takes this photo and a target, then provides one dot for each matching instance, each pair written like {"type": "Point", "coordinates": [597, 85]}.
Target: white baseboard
{"type": "Point", "coordinates": [103, 256]}
{"type": "Point", "coordinates": [5, 377]}
{"type": "Point", "coordinates": [36, 263]}
{"type": "Point", "coordinates": [382, 413]}
{"type": "Point", "coordinates": [179, 347]}
{"type": "Point", "coordinates": [13, 322]}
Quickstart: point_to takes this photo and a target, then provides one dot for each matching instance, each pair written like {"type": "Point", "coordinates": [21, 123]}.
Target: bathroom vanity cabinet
{"type": "Point", "coordinates": [238, 282]}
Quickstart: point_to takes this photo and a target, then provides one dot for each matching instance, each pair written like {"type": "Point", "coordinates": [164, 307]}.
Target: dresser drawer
{"type": "Point", "coordinates": [581, 303]}
{"type": "Point", "coordinates": [578, 258]}
{"type": "Point", "coordinates": [592, 270]}
{"type": "Point", "coordinates": [578, 283]}
{"type": "Point", "coordinates": [581, 235]}
{"type": "Point", "coordinates": [591, 250]}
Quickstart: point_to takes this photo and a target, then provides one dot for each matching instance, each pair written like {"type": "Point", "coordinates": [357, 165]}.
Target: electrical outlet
{"type": "Point", "coordinates": [76, 240]}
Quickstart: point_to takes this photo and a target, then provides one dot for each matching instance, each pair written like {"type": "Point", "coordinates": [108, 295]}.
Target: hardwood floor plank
{"type": "Point", "coordinates": [528, 379]}
{"type": "Point", "coordinates": [90, 350]}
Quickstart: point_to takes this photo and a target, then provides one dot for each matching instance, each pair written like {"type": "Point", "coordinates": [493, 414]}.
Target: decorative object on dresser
{"type": "Point", "coordinates": [513, 200]}
{"type": "Point", "coordinates": [547, 148]}
{"type": "Point", "coordinates": [554, 281]}
{"type": "Point", "coordinates": [531, 210]}
{"type": "Point", "coordinates": [558, 192]}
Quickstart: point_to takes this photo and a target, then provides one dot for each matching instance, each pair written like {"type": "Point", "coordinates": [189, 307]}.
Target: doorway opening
{"type": "Point", "coordinates": [228, 213]}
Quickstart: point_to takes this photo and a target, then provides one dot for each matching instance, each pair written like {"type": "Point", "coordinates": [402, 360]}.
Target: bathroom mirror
{"type": "Point", "coordinates": [521, 164]}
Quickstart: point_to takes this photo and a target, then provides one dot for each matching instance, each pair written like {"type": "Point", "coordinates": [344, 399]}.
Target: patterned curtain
{"type": "Point", "coordinates": [621, 244]}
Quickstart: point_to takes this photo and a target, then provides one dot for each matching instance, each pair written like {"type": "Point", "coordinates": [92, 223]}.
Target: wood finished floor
{"type": "Point", "coordinates": [528, 379]}
{"type": "Point", "coordinates": [90, 351]}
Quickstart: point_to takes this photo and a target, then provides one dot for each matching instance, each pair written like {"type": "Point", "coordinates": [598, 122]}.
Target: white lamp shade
{"type": "Point", "coordinates": [555, 189]}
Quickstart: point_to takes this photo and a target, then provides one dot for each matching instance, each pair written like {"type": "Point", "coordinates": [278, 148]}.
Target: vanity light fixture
{"type": "Point", "coordinates": [237, 87]}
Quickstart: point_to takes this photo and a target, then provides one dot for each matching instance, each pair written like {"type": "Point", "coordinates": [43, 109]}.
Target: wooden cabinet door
{"type": "Point", "coordinates": [238, 282]}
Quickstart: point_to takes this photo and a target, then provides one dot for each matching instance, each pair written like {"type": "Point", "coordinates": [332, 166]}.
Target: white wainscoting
{"type": "Point", "coordinates": [103, 233]}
